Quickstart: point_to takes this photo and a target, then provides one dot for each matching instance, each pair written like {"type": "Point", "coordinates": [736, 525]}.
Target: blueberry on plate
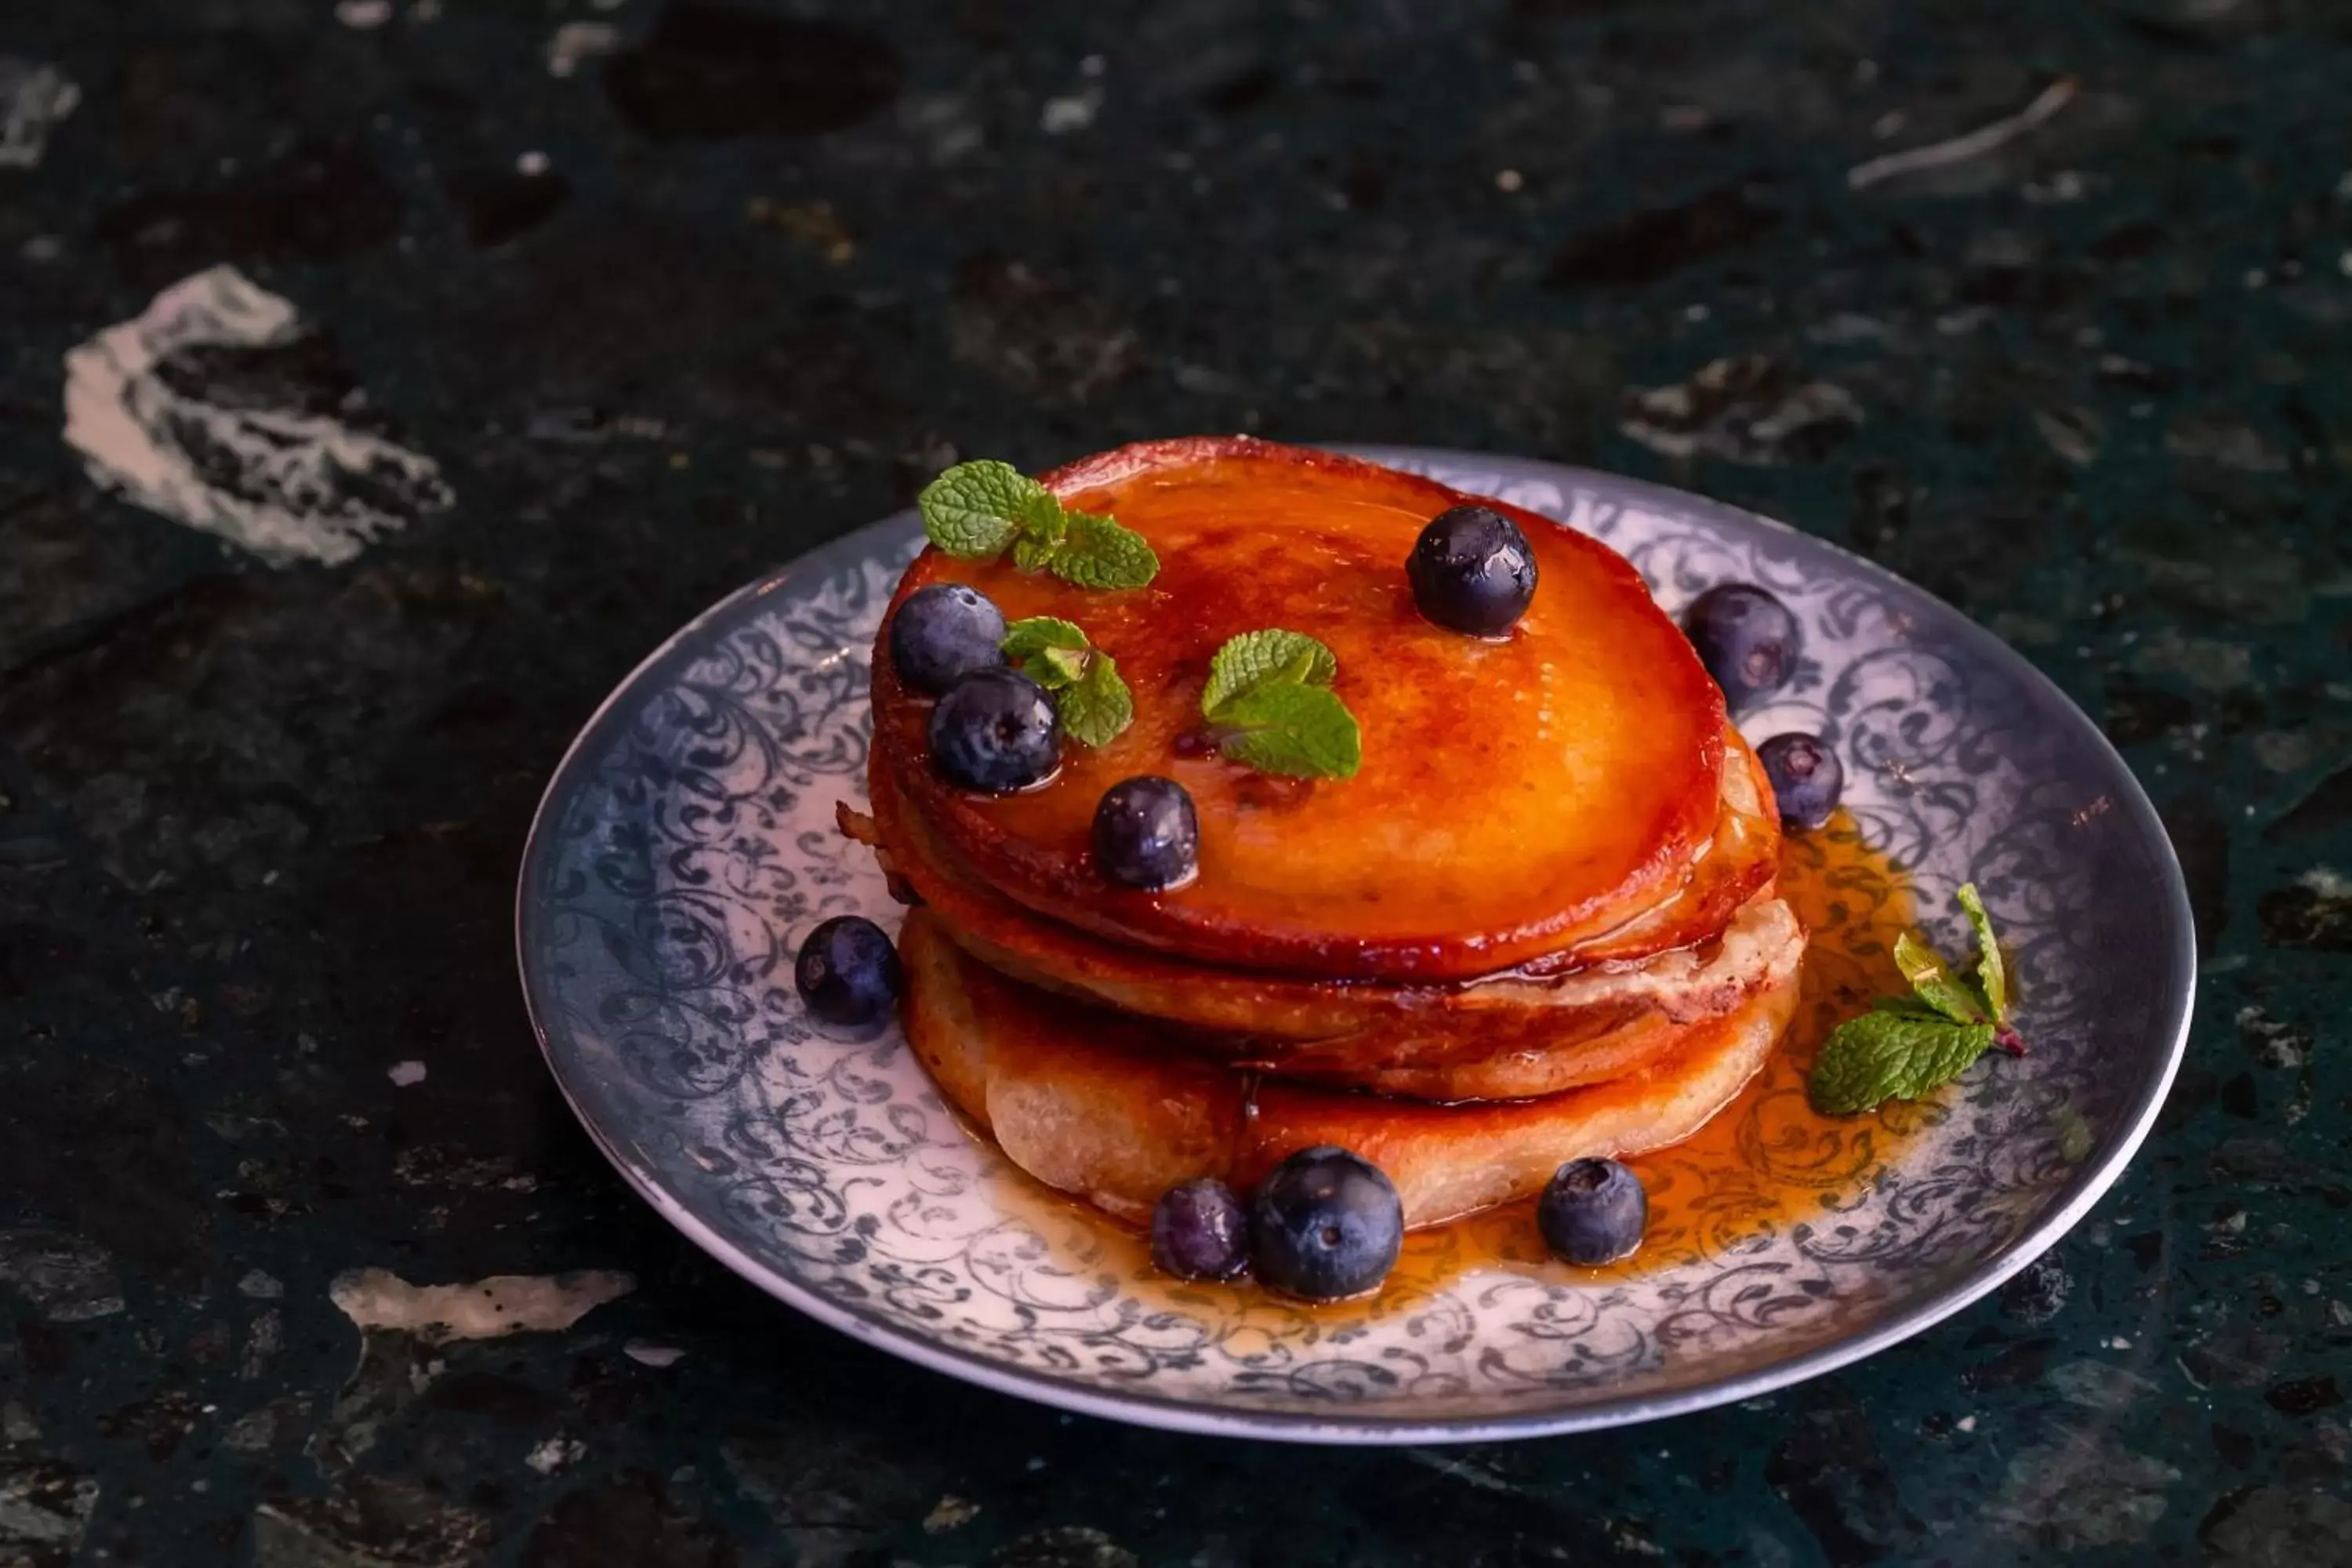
{"type": "Point", "coordinates": [1200, 1231]}
{"type": "Point", "coordinates": [943, 632]}
{"type": "Point", "coordinates": [1806, 775]}
{"type": "Point", "coordinates": [995, 729]}
{"type": "Point", "coordinates": [1592, 1212]}
{"type": "Point", "coordinates": [1146, 835]}
{"type": "Point", "coordinates": [1746, 637]}
{"type": "Point", "coordinates": [1471, 570]}
{"type": "Point", "coordinates": [1325, 1225]}
{"type": "Point", "coordinates": [848, 972]}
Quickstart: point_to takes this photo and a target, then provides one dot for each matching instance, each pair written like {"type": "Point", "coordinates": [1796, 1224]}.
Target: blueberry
{"type": "Point", "coordinates": [997, 731]}
{"type": "Point", "coordinates": [1145, 833]}
{"type": "Point", "coordinates": [1472, 571]}
{"type": "Point", "coordinates": [1592, 1212]}
{"type": "Point", "coordinates": [1746, 637]}
{"type": "Point", "coordinates": [1325, 1223]}
{"type": "Point", "coordinates": [944, 631]}
{"type": "Point", "coordinates": [1200, 1231]}
{"type": "Point", "coordinates": [848, 972]}
{"type": "Point", "coordinates": [1806, 778]}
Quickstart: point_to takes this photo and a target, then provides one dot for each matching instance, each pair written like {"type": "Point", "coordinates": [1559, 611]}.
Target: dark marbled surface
{"type": "Point", "coordinates": [738, 283]}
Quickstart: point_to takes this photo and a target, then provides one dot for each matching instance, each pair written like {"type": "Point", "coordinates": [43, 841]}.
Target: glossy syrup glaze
{"type": "Point", "coordinates": [1766, 1162]}
{"type": "Point", "coordinates": [1516, 796]}
{"type": "Point", "coordinates": [1349, 1032]}
{"type": "Point", "coordinates": [1103, 1105]}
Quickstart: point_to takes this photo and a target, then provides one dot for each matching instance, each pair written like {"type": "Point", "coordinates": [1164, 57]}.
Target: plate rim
{"type": "Point", "coordinates": [1137, 1407]}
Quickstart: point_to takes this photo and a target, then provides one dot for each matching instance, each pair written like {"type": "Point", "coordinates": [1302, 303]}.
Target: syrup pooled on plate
{"type": "Point", "coordinates": [1766, 1162]}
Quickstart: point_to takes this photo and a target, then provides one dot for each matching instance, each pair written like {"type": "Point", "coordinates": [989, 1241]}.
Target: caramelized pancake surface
{"type": "Point", "coordinates": [1517, 794]}
{"type": "Point", "coordinates": [1495, 1036]}
{"type": "Point", "coordinates": [1086, 1101]}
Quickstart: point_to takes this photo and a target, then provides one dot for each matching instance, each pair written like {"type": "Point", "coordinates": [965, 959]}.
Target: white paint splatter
{"type": "Point", "coordinates": [1075, 112]}
{"type": "Point", "coordinates": [651, 1355]}
{"type": "Point", "coordinates": [2327, 882]}
{"type": "Point", "coordinates": [501, 1304]}
{"type": "Point", "coordinates": [558, 1453]}
{"type": "Point", "coordinates": [576, 41]}
{"type": "Point", "coordinates": [1962, 149]}
{"type": "Point", "coordinates": [950, 1512]}
{"type": "Point", "coordinates": [363, 16]}
{"type": "Point", "coordinates": [33, 100]}
{"type": "Point", "coordinates": [1466, 1470]}
{"type": "Point", "coordinates": [405, 1073]}
{"type": "Point", "coordinates": [284, 482]}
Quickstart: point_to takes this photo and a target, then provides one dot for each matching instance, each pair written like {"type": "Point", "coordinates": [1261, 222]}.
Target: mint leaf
{"type": "Point", "coordinates": [1042, 517]}
{"type": "Point", "coordinates": [1269, 693]}
{"type": "Point", "coordinates": [1043, 528]}
{"type": "Point", "coordinates": [1099, 553]}
{"type": "Point", "coordinates": [1891, 1056]}
{"type": "Point", "coordinates": [1025, 639]}
{"type": "Point", "coordinates": [1905, 1045]}
{"type": "Point", "coordinates": [973, 510]}
{"type": "Point", "coordinates": [1094, 701]}
{"type": "Point", "coordinates": [1290, 728]}
{"type": "Point", "coordinates": [1255, 657]}
{"type": "Point", "coordinates": [1932, 979]}
{"type": "Point", "coordinates": [1055, 667]}
{"type": "Point", "coordinates": [1992, 974]}
{"type": "Point", "coordinates": [1096, 706]}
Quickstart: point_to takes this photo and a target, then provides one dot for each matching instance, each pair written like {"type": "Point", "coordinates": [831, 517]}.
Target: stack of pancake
{"type": "Point", "coordinates": [1538, 924]}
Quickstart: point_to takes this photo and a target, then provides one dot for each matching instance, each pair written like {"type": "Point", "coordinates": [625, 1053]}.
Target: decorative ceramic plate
{"type": "Point", "coordinates": [687, 843]}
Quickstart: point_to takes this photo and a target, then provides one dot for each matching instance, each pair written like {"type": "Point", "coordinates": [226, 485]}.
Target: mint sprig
{"type": "Point", "coordinates": [1884, 1055]}
{"type": "Point", "coordinates": [1270, 699]}
{"type": "Point", "coordinates": [1254, 659]}
{"type": "Point", "coordinates": [1992, 974]}
{"type": "Point", "coordinates": [1933, 982]}
{"type": "Point", "coordinates": [975, 510]}
{"type": "Point", "coordinates": [1094, 703]}
{"type": "Point", "coordinates": [1099, 553]}
{"type": "Point", "coordinates": [1905, 1046]}
{"type": "Point", "coordinates": [1026, 639]}
{"type": "Point", "coordinates": [1097, 705]}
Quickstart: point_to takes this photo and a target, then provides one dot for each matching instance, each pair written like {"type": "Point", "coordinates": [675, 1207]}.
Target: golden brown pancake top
{"type": "Point", "coordinates": [1516, 794]}
{"type": "Point", "coordinates": [1267, 1011]}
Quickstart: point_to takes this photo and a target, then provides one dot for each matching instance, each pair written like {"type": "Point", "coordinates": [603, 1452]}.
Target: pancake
{"type": "Point", "coordinates": [1083, 1099]}
{"type": "Point", "coordinates": [1358, 1028]}
{"type": "Point", "coordinates": [1518, 796]}
{"type": "Point", "coordinates": [1512, 1052]}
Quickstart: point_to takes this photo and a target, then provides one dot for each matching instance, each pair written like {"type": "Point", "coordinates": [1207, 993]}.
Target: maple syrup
{"type": "Point", "coordinates": [1766, 1160]}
